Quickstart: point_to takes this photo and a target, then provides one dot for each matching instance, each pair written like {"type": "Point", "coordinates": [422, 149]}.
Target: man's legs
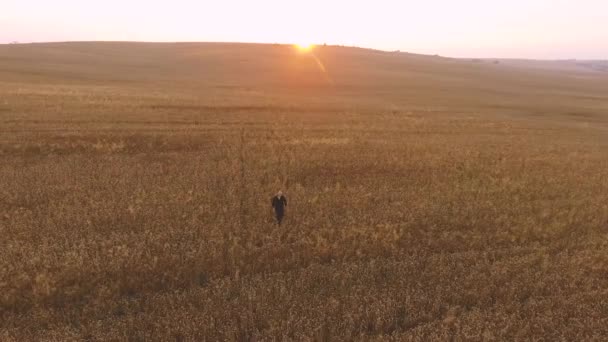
{"type": "Point", "coordinates": [279, 218]}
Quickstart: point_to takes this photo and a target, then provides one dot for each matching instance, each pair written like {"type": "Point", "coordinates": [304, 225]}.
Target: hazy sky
{"type": "Point", "coordinates": [471, 28]}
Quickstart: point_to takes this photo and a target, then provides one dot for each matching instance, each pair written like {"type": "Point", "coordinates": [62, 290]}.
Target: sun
{"type": "Point", "coordinates": [304, 47]}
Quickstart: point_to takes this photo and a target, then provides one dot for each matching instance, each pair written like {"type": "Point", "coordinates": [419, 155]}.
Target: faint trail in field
{"type": "Point", "coordinates": [242, 179]}
{"type": "Point", "coordinates": [282, 158]}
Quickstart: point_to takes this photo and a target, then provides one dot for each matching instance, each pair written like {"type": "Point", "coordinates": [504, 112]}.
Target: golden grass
{"type": "Point", "coordinates": [429, 198]}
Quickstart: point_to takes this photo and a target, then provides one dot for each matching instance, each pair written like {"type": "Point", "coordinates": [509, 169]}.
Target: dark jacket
{"type": "Point", "coordinates": [279, 204]}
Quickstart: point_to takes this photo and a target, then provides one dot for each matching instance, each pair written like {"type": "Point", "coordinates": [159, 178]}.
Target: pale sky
{"type": "Point", "coordinates": [548, 29]}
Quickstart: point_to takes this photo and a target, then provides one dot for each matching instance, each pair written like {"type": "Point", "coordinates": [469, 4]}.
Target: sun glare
{"type": "Point", "coordinates": [304, 47]}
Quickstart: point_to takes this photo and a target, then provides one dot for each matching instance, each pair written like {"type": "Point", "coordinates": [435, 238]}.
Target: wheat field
{"type": "Point", "coordinates": [429, 198]}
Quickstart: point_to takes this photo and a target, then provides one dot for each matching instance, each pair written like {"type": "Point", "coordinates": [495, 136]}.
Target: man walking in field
{"type": "Point", "coordinates": [279, 202]}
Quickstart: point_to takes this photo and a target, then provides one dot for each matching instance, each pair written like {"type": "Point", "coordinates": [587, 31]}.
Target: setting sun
{"type": "Point", "coordinates": [305, 47]}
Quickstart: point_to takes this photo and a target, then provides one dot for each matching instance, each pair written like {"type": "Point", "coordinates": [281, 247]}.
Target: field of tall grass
{"type": "Point", "coordinates": [429, 198]}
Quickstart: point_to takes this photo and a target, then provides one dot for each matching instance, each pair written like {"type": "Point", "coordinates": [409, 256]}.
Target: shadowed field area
{"type": "Point", "coordinates": [429, 198]}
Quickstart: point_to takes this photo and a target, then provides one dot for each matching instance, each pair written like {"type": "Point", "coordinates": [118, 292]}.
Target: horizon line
{"type": "Point", "coordinates": [16, 42]}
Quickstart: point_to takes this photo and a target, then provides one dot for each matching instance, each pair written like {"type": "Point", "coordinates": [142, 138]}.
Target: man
{"type": "Point", "coordinates": [279, 202]}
